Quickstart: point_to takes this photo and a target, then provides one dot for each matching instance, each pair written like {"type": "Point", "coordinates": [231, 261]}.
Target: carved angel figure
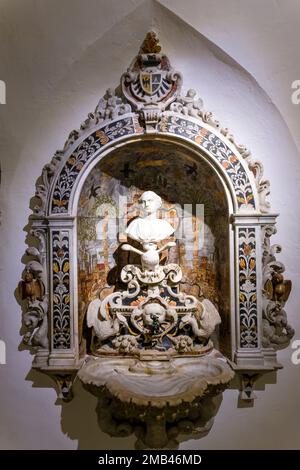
{"type": "Point", "coordinates": [278, 288]}
{"type": "Point", "coordinates": [30, 288]}
{"type": "Point", "coordinates": [188, 105]}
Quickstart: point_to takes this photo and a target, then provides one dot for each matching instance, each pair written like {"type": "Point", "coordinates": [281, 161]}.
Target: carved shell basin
{"type": "Point", "coordinates": [157, 383]}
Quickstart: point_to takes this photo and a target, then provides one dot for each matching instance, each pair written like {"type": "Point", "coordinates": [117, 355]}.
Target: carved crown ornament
{"type": "Point", "coordinates": [150, 330]}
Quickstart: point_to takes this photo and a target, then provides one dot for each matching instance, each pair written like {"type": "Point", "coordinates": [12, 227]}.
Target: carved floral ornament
{"type": "Point", "coordinates": [150, 104]}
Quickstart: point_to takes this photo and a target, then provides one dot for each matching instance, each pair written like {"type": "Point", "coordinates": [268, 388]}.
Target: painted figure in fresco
{"type": "Point", "coordinates": [148, 228]}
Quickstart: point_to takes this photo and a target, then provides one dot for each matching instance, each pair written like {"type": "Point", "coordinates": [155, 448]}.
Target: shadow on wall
{"type": "Point", "coordinates": [90, 421]}
{"type": "Point", "coordinates": [79, 419]}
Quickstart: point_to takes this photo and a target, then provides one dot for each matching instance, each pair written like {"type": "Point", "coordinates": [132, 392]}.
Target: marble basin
{"type": "Point", "coordinates": [157, 383]}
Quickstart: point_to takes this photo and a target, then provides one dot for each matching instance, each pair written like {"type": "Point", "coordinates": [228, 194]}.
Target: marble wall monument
{"type": "Point", "coordinates": [155, 316]}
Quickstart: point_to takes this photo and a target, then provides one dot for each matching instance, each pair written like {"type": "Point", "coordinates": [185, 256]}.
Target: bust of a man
{"type": "Point", "coordinates": [148, 228]}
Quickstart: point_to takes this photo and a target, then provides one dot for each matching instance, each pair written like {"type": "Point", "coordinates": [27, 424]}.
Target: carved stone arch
{"type": "Point", "coordinates": [199, 152]}
{"type": "Point", "coordinates": [209, 143]}
{"type": "Point", "coordinates": [148, 108]}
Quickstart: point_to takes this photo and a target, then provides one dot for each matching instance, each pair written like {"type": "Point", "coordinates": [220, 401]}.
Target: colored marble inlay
{"type": "Point", "coordinates": [220, 151]}
{"type": "Point", "coordinates": [248, 288]}
{"type": "Point", "coordinates": [82, 154]}
{"type": "Point", "coordinates": [61, 290]}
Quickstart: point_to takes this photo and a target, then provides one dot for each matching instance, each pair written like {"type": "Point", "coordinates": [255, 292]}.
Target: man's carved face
{"type": "Point", "coordinates": [150, 202]}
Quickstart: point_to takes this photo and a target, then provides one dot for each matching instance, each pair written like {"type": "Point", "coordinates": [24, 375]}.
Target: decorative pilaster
{"type": "Point", "coordinates": [63, 324]}
{"type": "Point", "coordinates": [248, 292]}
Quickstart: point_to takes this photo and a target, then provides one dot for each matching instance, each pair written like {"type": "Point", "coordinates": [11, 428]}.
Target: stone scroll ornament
{"type": "Point", "coordinates": [33, 295]}
{"type": "Point", "coordinates": [276, 329]}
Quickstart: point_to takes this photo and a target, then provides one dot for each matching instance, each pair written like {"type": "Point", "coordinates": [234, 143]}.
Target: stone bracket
{"type": "Point", "coordinates": [247, 386]}
{"type": "Point", "coordinates": [64, 382]}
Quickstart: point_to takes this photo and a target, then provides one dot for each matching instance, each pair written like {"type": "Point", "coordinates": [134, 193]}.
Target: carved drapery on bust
{"type": "Point", "coordinates": [149, 229]}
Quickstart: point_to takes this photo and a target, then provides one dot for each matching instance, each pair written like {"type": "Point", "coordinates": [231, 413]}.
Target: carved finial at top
{"type": "Point", "coordinates": [150, 44]}
{"type": "Point", "coordinates": [150, 83]}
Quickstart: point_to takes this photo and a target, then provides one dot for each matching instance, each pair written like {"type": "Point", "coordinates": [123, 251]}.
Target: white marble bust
{"type": "Point", "coordinates": [148, 228]}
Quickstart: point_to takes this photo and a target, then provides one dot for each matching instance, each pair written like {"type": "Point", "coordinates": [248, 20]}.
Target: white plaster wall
{"type": "Point", "coordinates": [262, 36]}
{"type": "Point", "coordinates": [57, 60]}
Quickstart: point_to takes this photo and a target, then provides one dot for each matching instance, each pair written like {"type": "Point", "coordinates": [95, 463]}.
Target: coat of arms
{"type": "Point", "coordinates": [150, 82]}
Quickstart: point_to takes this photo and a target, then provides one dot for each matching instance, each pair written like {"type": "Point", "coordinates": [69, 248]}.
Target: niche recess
{"type": "Point", "coordinates": [195, 202]}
